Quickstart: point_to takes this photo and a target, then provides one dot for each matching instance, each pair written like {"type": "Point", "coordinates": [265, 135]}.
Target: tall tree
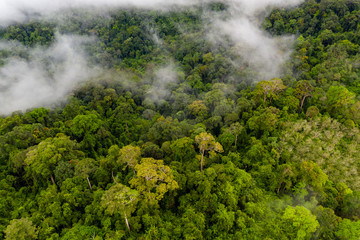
{"type": "Point", "coordinates": [85, 167]}
{"type": "Point", "coordinates": [153, 179]}
{"type": "Point", "coordinates": [120, 199]}
{"type": "Point", "coordinates": [129, 155]}
{"type": "Point", "coordinates": [236, 129]}
{"type": "Point", "coordinates": [303, 90]}
{"type": "Point", "coordinates": [300, 223]}
{"type": "Point", "coordinates": [21, 229]}
{"type": "Point", "coordinates": [206, 142]}
{"type": "Point", "coordinates": [43, 159]}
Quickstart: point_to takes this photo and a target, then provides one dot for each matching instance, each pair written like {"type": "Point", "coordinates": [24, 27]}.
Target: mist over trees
{"type": "Point", "coordinates": [195, 120]}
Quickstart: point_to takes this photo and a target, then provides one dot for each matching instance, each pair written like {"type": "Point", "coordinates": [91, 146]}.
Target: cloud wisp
{"type": "Point", "coordinates": [51, 73]}
{"type": "Point", "coordinates": [160, 87]}
{"type": "Point", "coordinates": [45, 78]}
{"type": "Point", "coordinates": [263, 53]}
{"type": "Point", "coordinates": [18, 10]}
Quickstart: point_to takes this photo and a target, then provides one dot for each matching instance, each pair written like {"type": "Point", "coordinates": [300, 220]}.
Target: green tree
{"type": "Point", "coordinates": [299, 223]}
{"type": "Point", "coordinates": [338, 99]}
{"type": "Point", "coordinates": [120, 199]}
{"type": "Point", "coordinates": [85, 167]}
{"type": "Point", "coordinates": [206, 142]}
{"type": "Point", "coordinates": [303, 90]}
{"type": "Point", "coordinates": [21, 229]}
{"type": "Point", "coordinates": [198, 109]}
{"type": "Point", "coordinates": [236, 129]}
{"type": "Point", "coordinates": [269, 89]}
{"type": "Point", "coordinates": [348, 230]}
{"type": "Point", "coordinates": [312, 112]}
{"type": "Point", "coordinates": [129, 155]}
{"type": "Point", "coordinates": [153, 179]}
{"type": "Point", "coordinates": [264, 120]}
{"type": "Point", "coordinates": [44, 158]}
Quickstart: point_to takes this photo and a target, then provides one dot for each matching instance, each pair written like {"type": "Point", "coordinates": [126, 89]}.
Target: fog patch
{"type": "Point", "coordinates": [45, 77]}
{"type": "Point", "coordinates": [263, 53]}
{"type": "Point", "coordinates": [161, 86]}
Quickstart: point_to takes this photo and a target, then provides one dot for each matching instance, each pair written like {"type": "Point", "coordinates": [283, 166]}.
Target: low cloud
{"type": "Point", "coordinates": [45, 78]}
{"type": "Point", "coordinates": [160, 88]}
{"type": "Point", "coordinates": [263, 53]}
{"type": "Point", "coordinates": [18, 10]}
{"type": "Point", "coordinates": [51, 73]}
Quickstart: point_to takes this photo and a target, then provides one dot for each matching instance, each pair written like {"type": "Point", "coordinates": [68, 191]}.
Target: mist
{"type": "Point", "coordinates": [19, 10]}
{"type": "Point", "coordinates": [45, 78]}
{"type": "Point", "coordinates": [50, 74]}
{"type": "Point", "coordinates": [263, 53]}
{"type": "Point", "coordinates": [160, 88]}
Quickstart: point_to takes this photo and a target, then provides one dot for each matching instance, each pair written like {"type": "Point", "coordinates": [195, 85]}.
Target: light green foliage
{"type": "Point", "coordinates": [192, 224]}
{"type": "Point", "coordinates": [183, 149]}
{"type": "Point", "coordinates": [21, 229]}
{"type": "Point", "coordinates": [235, 129]}
{"type": "Point", "coordinates": [319, 141]}
{"type": "Point", "coordinates": [338, 99]}
{"type": "Point", "coordinates": [206, 142]}
{"type": "Point", "coordinates": [328, 221]}
{"type": "Point", "coordinates": [85, 125]}
{"type": "Point", "coordinates": [153, 179]}
{"type": "Point", "coordinates": [313, 175]}
{"type": "Point", "coordinates": [303, 90]}
{"type": "Point", "coordinates": [165, 129]}
{"type": "Point", "coordinates": [129, 155]}
{"type": "Point", "coordinates": [300, 223]}
{"type": "Point", "coordinates": [90, 133]}
{"type": "Point", "coordinates": [43, 159]}
{"type": "Point", "coordinates": [312, 112]}
{"type": "Point", "coordinates": [119, 199]}
{"type": "Point", "coordinates": [198, 108]}
{"type": "Point", "coordinates": [269, 89]}
{"type": "Point", "coordinates": [348, 230]}
{"type": "Point", "coordinates": [80, 232]}
{"type": "Point", "coordinates": [85, 168]}
{"type": "Point", "coordinates": [264, 120]}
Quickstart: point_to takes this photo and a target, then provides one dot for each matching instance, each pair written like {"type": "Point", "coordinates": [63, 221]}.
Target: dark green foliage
{"type": "Point", "coordinates": [219, 157]}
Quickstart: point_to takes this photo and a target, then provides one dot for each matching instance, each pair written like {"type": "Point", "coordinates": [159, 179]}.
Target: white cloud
{"type": "Point", "coordinates": [45, 78]}
{"type": "Point", "coordinates": [26, 84]}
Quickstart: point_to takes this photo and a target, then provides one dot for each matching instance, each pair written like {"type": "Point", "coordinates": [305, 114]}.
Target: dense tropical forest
{"type": "Point", "coordinates": [181, 137]}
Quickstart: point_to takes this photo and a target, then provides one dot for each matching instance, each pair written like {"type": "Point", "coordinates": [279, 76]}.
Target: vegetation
{"type": "Point", "coordinates": [219, 157]}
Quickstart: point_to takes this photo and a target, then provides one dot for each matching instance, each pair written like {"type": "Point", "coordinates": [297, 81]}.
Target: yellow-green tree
{"type": "Point", "coordinates": [84, 168]}
{"type": "Point", "coordinates": [303, 90]}
{"type": "Point", "coordinates": [300, 222]}
{"type": "Point", "coordinates": [120, 199]}
{"type": "Point", "coordinates": [21, 229]}
{"type": "Point", "coordinates": [130, 156]}
{"type": "Point", "coordinates": [269, 89]}
{"type": "Point", "coordinates": [153, 179]}
{"type": "Point", "coordinates": [44, 158]}
{"type": "Point", "coordinates": [206, 142]}
{"type": "Point", "coordinates": [235, 129]}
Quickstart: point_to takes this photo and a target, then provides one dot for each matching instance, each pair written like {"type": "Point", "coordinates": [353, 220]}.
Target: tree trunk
{"type": "Point", "coordinates": [202, 160]}
{"type": "Point", "coordinates": [127, 130]}
{"type": "Point", "coordinates": [52, 179]}
{"type": "Point", "coordinates": [236, 136]}
{"type": "Point", "coordinates": [112, 174]}
{"type": "Point", "coordinates": [89, 183]}
{"type": "Point", "coordinates": [302, 103]}
{"type": "Point", "coordinates": [127, 222]}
